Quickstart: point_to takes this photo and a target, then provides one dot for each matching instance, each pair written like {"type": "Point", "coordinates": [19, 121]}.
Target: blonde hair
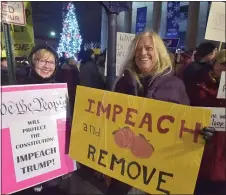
{"type": "Point", "coordinates": [162, 63]}
{"type": "Point", "coordinates": [41, 54]}
{"type": "Point", "coordinates": [221, 56]}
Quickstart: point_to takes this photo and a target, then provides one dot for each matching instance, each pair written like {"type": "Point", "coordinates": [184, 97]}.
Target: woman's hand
{"type": "Point", "coordinates": [208, 133]}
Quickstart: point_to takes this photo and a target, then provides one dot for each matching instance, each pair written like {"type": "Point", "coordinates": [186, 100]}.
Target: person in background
{"type": "Point", "coordinates": [203, 93]}
{"type": "Point", "coordinates": [173, 61]}
{"type": "Point", "coordinates": [4, 63]}
{"type": "Point", "coordinates": [69, 73]}
{"type": "Point", "coordinates": [148, 73]}
{"type": "Point", "coordinates": [89, 72]}
{"type": "Point", "coordinates": [185, 60]}
{"type": "Point", "coordinates": [44, 64]}
{"type": "Point", "coordinates": [4, 72]}
{"type": "Point", "coordinates": [100, 61]}
{"type": "Point", "coordinates": [62, 59]}
{"type": "Point", "coordinates": [204, 58]}
{"type": "Point", "coordinates": [69, 64]}
{"type": "Point", "coordinates": [90, 77]}
{"type": "Point", "coordinates": [22, 70]}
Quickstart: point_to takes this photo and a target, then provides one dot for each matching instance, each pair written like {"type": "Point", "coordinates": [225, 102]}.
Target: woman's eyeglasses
{"type": "Point", "coordinates": [44, 62]}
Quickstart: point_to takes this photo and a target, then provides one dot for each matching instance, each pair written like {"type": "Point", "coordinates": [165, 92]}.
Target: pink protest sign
{"type": "Point", "coordinates": [34, 133]}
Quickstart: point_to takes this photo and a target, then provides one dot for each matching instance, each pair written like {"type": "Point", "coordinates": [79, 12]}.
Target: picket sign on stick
{"type": "Point", "coordinates": [124, 40]}
{"type": "Point", "coordinates": [220, 45]}
{"type": "Point", "coordinates": [215, 29]}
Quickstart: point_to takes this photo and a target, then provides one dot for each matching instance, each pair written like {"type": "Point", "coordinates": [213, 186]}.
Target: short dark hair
{"type": "Point", "coordinates": [3, 59]}
{"type": "Point", "coordinates": [205, 49]}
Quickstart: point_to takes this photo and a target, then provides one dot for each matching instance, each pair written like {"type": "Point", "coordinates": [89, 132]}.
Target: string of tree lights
{"type": "Point", "coordinates": [71, 40]}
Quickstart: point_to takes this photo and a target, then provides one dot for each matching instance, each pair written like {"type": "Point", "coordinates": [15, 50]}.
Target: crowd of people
{"type": "Point", "coordinates": [150, 72]}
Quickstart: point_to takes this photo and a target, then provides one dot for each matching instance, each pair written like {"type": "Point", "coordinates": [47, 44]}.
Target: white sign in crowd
{"type": "Point", "coordinates": [13, 13]}
{"type": "Point", "coordinates": [124, 41]}
{"type": "Point", "coordinates": [34, 119]}
{"type": "Point", "coordinates": [222, 87]}
{"type": "Point", "coordinates": [215, 29]}
{"type": "Point", "coordinates": [218, 119]}
{"type": "Point", "coordinates": [35, 147]}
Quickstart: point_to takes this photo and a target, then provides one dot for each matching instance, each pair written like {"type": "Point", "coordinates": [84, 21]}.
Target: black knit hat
{"type": "Point", "coordinates": [39, 47]}
{"type": "Point", "coordinates": [204, 49]}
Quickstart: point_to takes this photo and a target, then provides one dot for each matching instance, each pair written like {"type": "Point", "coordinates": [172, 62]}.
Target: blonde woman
{"type": "Point", "coordinates": [44, 64]}
{"type": "Point", "coordinates": [148, 73]}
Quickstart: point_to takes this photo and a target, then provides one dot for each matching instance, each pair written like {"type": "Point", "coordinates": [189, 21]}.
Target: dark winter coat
{"type": "Point", "coordinates": [4, 77]}
{"type": "Point", "coordinates": [59, 76]}
{"type": "Point", "coordinates": [165, 87]}
{"type": "Point", "coordinates": [203, 93]}
{"type": "Point", "coordinates": [192, 71]}
{"type": "Point", "coordinates": [20, 73]}
{"type": "Point", "coordinates": [71, 77]}
{"type": "Point", "coordinates": [90, 75]}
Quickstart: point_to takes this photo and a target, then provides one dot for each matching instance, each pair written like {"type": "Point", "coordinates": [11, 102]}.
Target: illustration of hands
{"type": "Point", "coordinates": [138, 145]}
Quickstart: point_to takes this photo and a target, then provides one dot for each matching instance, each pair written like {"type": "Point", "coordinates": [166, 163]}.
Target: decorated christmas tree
{"type": "Point", "coordinates": [71, 39]}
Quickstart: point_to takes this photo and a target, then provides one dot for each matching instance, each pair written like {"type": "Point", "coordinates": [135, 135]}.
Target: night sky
{"type": "Point", "coordinates": [47, 16]}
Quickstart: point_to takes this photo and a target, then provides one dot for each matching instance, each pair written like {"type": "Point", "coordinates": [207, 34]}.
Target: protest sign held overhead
{"type": "Point", "coordinates": [149, 144]}
{"type": "Point", "coordinates": [222, 87]}
{"type": "Point", "coordinates": [215, 29]}
{"type": "Point", "coordinates": [34, 128]}
{"type": "Point", "coordinates": [123, 42]}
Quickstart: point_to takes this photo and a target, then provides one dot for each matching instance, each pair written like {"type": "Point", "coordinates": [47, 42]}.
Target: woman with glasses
{"type": "Point", "coordinates": [44, 64]}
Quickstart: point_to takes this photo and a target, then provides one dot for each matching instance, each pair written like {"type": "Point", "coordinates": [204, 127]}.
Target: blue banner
{"type": "Point", "coordinates": [171, 42]}
{"type": "Point", "coordinates": [141, 19]}
{"type": "Point", "coordinates": [173, 19]}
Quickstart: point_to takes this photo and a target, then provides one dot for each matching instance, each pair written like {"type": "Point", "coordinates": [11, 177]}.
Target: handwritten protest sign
{"type": "Point", "coordinates": [123, 42]}
{"type": "Point", "coordinates": [149, 144]}
{"type": "Point", "coordinates": [218, 119]}
{"type": "Point", "coordinates": [215, 29]}
{"type": "Point", "coordinates": [34, 130]}
{"type": "Point", "coordinates": [222, 87]}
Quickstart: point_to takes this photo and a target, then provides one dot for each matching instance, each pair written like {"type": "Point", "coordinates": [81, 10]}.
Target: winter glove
{"type": "Point", "coordinates": [38, 188]}
{"type": "Point", "coordinates": [208, 133]}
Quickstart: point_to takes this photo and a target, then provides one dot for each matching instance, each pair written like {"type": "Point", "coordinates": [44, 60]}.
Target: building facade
{"type": "Point", "coordinates": [126, 21]}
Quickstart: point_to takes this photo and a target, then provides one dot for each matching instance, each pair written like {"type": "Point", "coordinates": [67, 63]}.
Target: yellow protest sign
{"type": "Point", "coordinates": [152, 145]}
{"type": "Point", "coordinates": [22, 36]}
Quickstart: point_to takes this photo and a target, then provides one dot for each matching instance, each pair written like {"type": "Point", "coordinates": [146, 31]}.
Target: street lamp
{"type": "Point", "coordinates": [52, 34]}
